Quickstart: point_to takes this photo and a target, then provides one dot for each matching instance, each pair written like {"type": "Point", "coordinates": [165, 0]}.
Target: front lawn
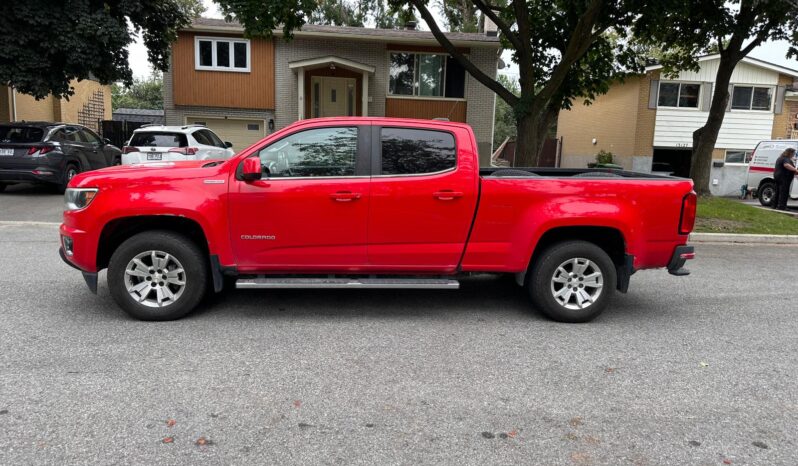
{"type": "Point", "coordinates": [718, 215]}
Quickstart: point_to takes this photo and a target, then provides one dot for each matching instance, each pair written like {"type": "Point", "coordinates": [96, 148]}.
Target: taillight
{"type": "Point", "coordinates": [184, 150]}
{"type": "Point", "coordinates": [687, 220]}
{"type": "Point", "coordinates": [40, 149]}
{"type": "Point", "coordinates": [129, 149]}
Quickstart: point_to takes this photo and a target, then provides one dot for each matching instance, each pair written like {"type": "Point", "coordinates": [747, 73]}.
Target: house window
{"type": "Point", "coordinates": [752, 98]}
{"type": "Point", "coordinates": [426, 75]}
{"type": "Point", "coordinates": [738, 156]}
{"type": "Point", "coordinates": [682, 95]}
{"type": "Point", "coordinates": [222, 54]}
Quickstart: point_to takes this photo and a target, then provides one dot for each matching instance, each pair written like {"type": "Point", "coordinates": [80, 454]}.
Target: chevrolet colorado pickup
{"type": "Point", "coordinates": [370, 203]}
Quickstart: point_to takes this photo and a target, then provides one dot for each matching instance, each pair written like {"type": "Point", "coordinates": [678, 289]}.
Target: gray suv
{"type": "Point", "coordinates": [51, 153]}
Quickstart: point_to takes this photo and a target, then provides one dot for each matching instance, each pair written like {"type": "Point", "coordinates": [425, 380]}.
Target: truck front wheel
{"type": "Point", "coordinates": [572, 281]}
{"type": "Point", "coordinates": [157, 275]}
{"type": "Point", "coordinates": [766, 193]}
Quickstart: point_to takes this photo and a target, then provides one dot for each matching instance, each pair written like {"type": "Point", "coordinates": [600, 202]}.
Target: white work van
{"type": "Point", "coordinates": [762, 166]}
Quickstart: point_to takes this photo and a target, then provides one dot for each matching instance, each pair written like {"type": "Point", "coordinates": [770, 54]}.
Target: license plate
{"type": "Point", "coordinates": [6, 151]}
{"type": "Point", "coordinates": [154, 156]}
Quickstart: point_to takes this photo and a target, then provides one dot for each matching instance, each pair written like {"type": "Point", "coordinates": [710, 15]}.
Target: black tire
{"type": "Point", "coordinates": [185, 252]}
{"type": "Point", "coordinates": [541, 285]}
{"type": "Point", "coordinates": [70, 171]}
{"type": "Point", "coordinates": [766, 193]}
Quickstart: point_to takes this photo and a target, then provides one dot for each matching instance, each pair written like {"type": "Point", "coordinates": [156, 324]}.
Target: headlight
{"type": "Point", "coordinates": [79, 198]}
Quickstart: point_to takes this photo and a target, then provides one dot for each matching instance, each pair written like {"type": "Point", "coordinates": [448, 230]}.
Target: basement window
{"type": "Point", "coordinates": [221, 54]}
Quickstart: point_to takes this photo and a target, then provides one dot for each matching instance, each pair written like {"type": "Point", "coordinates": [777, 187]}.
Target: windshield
{"type": "Point", "coordinates": [20, 134]}
{"type": "Point", "coordinates": [155, 139]}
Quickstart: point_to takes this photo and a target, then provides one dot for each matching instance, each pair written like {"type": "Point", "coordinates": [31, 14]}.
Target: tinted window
{"type": "Point", "coordinates": [455, 79]}
{"type": "Point", "coordinates": [21, 134]}
{"type": "Point", "coordinates": [409, 151]}
{"type": "Point", "coordinates": [73, 134]}
{"type": "Point", "coordinates": [215, 141]}
{"type": "Point", "coordinates": [316, 152]}
{"type": "Point", "coordinates": [154, 139]}
{"type": "Point", "coordinates": [89, 136]}
{"type": "Point", "coordinates": [201, 137]}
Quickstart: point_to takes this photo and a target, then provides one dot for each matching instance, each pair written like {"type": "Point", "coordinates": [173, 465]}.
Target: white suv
{"type": "Point", "coordinates": [152, 143]}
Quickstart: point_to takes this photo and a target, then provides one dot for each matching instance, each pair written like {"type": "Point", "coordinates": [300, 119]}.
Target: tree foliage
{"type": "Point", "coordinates": [686, 30]}
{"type": "Point", "coordinates": [143, 93]}
{"type": "Point", "coordinates": [45, 44]}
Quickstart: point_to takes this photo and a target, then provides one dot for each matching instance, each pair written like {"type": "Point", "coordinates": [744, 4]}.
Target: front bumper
{"type": "Point", "coordinates": [89, 277]}
{"type": "Point", "coordinates": [680, 256]}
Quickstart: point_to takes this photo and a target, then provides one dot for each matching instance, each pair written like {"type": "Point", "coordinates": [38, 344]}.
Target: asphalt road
{"type": "Point", "coordinates": [697, 370]}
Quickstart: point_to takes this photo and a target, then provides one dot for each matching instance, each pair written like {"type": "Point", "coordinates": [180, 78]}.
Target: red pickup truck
{"type": "Point", "coordinates": [370, 203]}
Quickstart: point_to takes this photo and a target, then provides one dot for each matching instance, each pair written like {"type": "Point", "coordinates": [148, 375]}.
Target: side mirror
{"type": "Point", "coordinates": [228, 144]}
{"type": "Point", "coordinates": [253, 170]}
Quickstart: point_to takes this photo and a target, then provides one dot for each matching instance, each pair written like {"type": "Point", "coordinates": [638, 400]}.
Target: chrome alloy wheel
{"type": "Point", "coordinates": [155, 279]}
{"type": "Point", "coordinates": [577, 283]}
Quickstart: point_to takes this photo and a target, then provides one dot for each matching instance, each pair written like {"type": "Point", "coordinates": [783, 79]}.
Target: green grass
{"type": "Point", "coordinates": [718, 215]}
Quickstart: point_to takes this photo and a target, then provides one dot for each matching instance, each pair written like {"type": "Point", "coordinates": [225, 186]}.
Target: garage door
{"type": "Point", "coordinates": [242, 133]}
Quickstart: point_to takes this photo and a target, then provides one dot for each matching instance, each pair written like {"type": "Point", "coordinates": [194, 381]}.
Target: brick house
{"type": "Point", "coordinates": [648, 120]}
{"type": "Point", "coordinates": [245, 88]}
{"type": "Point", "coordinates": [90, 104]}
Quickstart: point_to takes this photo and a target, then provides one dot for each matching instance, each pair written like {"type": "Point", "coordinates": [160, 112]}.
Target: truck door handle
{"type": "Point", "coordinates": [447, 195]}
{"type": "Point", "coordinates": [344, 196]}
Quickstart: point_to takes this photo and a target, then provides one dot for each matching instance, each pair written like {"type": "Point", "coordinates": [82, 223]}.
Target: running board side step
{"type": "Point", "coordinates": [352, 283]}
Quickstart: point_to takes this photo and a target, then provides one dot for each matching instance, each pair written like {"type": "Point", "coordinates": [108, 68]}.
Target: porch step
{"type": "Point", "coordinates": [352, 283]}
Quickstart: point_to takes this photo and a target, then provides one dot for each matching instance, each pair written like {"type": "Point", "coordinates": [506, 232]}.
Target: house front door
{"type": "Point", "coordinates": [332, 96]}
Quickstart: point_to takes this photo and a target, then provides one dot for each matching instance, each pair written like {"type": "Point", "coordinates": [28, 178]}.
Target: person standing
{"type": "Point", "coordinates": [784, 173]}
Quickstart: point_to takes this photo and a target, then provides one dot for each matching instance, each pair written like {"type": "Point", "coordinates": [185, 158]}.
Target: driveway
{"type": "Point", "coordinates": [696, 370]}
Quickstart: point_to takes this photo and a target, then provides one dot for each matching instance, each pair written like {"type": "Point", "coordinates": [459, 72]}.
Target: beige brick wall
{"type": "Point", "coordinates": [782, 124]}
{"type": "Point", "coordinates": [84, 90]}
{"type": "Point", "coordinates": [610, 119]}
{"type": "Point", "coordinates": [30, 109]}
{"type": "Point", "coordinates": [646, 117]}
{"type": "Point", "coordinates": [5, 104]}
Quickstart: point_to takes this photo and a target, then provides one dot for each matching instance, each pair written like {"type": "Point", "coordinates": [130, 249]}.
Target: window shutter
{"type": "Point", "coordinates": [778, 107]}
{"type": "Point", "coordinates": [731, 95]}
{"type": "Point", "coordinates": [706, 96]}
{"type": "Point", "coordinates": [653, 93]}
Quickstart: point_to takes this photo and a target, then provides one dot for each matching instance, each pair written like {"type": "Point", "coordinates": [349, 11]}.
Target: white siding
{"type": "Point", "coordinates": [740, 130]}
{"type": "Point", "coordinates": [743, 74]}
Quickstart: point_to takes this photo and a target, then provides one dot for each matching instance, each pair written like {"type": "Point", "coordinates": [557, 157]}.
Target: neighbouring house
{"type": "Point", "coordinates": [244, 88]}
{"type": "Point", "coordinates": [88, 106]}
{"type": "Point", "coordinates": [647, 121]}
{"type": "Point", "coordinates": [139, 115]}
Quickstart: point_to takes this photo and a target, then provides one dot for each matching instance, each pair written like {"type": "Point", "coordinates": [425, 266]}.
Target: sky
{"type": "Point", "coordinates": [774, 51]}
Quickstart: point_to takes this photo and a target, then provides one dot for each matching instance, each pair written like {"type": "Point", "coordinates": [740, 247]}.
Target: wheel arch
{"type": "Point", "coordinates": [115, 232]}
{"type": "Point", "coordinates": [609, 239]}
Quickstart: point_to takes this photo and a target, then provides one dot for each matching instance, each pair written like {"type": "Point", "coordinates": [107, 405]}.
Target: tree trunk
{"type": "Point", "coordinates": [705, 137]}
{"type": "Point", "coordinates": [530, 135]}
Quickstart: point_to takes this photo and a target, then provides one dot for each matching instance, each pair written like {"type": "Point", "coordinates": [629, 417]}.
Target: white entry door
{"type": "Point", "coordinates": [333, 96]}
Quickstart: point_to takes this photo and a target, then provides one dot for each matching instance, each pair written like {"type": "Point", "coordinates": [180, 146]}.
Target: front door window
{"type": "Point", "coordinates": [332, 96]}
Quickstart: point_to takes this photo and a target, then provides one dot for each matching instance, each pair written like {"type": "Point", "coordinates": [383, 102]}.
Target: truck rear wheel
{"type": "Point", "coordinates": [766, 193]}
{"type": "Point", "coordinates": [157, 275]}
{"type": "Point", "coordinates": [572, 281]}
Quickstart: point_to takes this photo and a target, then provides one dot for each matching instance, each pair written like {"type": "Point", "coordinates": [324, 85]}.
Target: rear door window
{"type": "Point", "coordinates": [158, 139]}
{"type": "Point", "coordinates": [215, 141]}
{"type": "Point", "coordinates": [89, 136]}
{"type": "Point", "coordinates": [21, 134]}
{"type": "Point", "coordinates": [409, 151]}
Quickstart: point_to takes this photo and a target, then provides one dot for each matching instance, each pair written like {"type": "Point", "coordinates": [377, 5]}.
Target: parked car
{"type": "Point", "coordinates": [762, 167]}
{"type": "Point", "coordinates": [371, 203]}
{"type": "Point", "coordinates": [51, 153]}
{"type": "Point", "coordinates": [152, 143]}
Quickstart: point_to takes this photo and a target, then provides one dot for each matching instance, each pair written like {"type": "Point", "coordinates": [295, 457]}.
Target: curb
{"type": "Point", "coordinates": [741, 238]}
